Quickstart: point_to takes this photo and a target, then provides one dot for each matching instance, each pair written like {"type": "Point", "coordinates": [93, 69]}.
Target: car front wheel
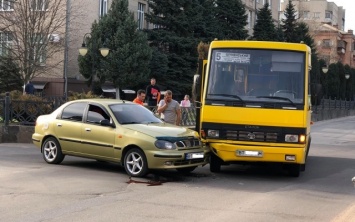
{"type": "Point", "coordinates": [135, 163]}
{"type": "Point", "coordinates": [52, 152]}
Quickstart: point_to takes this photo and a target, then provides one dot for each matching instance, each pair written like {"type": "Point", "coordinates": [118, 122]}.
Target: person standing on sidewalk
{"type": "Point", "coordinates": [153, 92]}
{"type": "Point", "coordinates": [140, 97]}
{"type": "Point", "coordinates": [169, 109]}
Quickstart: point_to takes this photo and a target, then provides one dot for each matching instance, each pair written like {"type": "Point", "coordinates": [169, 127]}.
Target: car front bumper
{"type": "Point", "coordinates": [177, 159]}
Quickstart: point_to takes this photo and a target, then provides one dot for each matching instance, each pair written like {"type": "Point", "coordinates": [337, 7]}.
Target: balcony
{"type": "Point", "coordinates": [341, 47]}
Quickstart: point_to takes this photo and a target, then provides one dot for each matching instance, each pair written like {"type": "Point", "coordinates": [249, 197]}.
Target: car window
{"type": "Point", "coordinates": [96, 114]}
{"type": "Point", "coordinates": [133, 114]}
{"type": "Point", "coordinates": [74, 111]}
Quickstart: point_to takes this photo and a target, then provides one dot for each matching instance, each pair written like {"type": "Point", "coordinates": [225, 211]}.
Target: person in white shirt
{"type": "Point", "coordinates": [169, 109]}
{"type": "Point", "coordinates": [186, 102]}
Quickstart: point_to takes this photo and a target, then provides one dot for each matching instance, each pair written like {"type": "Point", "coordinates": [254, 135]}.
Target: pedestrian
{"type": "Point", "coordinates": [29, 88]}
{"type": "Point", "coordinates": [140, 97]}
{"type": "Point", "coordinates": [169, 109]}
{"type": "Point", "coordinates": [152, 93]}
{"type": "Point", "coordinates": [186, 101]}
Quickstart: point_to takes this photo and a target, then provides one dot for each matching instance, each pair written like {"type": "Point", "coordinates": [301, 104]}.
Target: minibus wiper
{"type": "Point", "coordinates": [278, 98]}
{"type": "Point", "coordinates": [228, 95]}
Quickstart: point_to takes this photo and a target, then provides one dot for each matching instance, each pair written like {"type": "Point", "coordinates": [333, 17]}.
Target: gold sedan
{"type": "Point", "coordinates": [117, 131]}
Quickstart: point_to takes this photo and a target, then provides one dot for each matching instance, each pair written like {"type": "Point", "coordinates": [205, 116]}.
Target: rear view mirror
{"type": "Point", "coordinates": [106, 122]}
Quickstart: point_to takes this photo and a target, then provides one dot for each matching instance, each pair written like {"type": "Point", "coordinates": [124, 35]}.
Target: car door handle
{"type": "Point", "coordinates": [59, 124]}
{"type": "Point", "coordinates": [87, 129]}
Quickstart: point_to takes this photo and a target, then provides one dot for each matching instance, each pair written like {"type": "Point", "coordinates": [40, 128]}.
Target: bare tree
{"type": "Point", "coordinates": [33, 30]}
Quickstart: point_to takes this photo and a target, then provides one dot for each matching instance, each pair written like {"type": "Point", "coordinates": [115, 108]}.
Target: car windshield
{"type": "Point", "coordinates": [249, 75]}
{"type": "Point", "coordinates": [133, 114]}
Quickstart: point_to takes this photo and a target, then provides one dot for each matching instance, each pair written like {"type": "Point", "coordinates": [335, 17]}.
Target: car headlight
{"type": "Point", "coordinates": [213, 133]}
{"type": "Point", "coordinates": [162, 144]}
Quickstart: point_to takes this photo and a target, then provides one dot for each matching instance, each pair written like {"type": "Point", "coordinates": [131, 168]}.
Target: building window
{"type": "Point", "coordinates": [316, 15]}
{"type": "Point", "coordinates": [103, 7]}
{"type": "Point", "coordinates": [141, 8]}
{"type": "Point", "coordinates": [249, 19]}
{"type": "Point", "coordinates": [269, 2]}
{"type": "Point", "coordinates": [39, 5]}
{"type": "Point", "coordinates": [327, 43]}
{"type": "Point", "coordinates": [328, 14]}
{"type": "Point", "coordinates": [6, 5]}
{"type": "Point", "coordinates": [38, 51]}
{"type": "Point", "coordinates": [5, 43]}
{"type": "Point", "coordinates": [306, 15]}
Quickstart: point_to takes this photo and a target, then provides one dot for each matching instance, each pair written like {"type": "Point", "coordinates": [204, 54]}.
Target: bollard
{"type": "Point", "coordinates": [7, 108]}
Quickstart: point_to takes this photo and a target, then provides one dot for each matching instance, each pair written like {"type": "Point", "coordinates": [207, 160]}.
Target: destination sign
{"type": "Point", "coordinates": [232, 57]}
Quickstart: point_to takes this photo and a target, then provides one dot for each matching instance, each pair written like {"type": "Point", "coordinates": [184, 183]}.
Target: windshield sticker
{"type": "Point", "coordinates": [232, 57]}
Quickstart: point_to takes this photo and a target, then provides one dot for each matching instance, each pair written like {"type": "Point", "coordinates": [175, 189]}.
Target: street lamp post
{"type": "Point", "coordinates": [347, 76]}
{"type": "Point", "coordinates": [325, 70]}
{"type": "Point", "coordinates": [83, 51]}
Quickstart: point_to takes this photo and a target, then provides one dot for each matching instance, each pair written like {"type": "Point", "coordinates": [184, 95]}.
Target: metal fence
{"type": "Point", "coordinates": [188, 115]}
{"type": "Point", "coordinates": [26, 112]}
{"type": "Point", "coordinates": [17, 112]}
{"type": "Point", "coordinates": [331, 104]}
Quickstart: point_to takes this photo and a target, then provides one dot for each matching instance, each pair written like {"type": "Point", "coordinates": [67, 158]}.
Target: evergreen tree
{"type": "Point", "coordinates": [10, 78]}
{"type": "Point", "coordinates": [333, 80]}
{"type": "Point", "coordinates": [302, 35]}
{"type": "Point", "coordinates": [232, 19]}
{"type": "Point", "coordinates": [127, 64]}
{"type": "Point", "coordinates": [179, 26]}
{"type": "Point", "coordinates": [290, 23]}
{"type": "Point", "coordinates": [264, 29]}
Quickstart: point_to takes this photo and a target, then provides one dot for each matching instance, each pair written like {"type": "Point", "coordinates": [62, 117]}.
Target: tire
{"type": "Point", "coordinates": [294, 170]}
{"type": "Point", "coordinates": [303, 166]}
{"type": "Point", "coordinates": [215, 163]}
{"type": "Point", "coordinates": [52, 152]}
{"type": "Point", "coordinates": [135, 163]}
{"type": "Point", "coordinates": [186, 170]}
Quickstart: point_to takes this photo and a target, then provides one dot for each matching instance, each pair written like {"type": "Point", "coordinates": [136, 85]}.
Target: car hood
{"type": "Point", "coordinates": [161, 130]}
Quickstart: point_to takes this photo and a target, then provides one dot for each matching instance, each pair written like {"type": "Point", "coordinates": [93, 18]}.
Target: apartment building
{"type": "Point", "coordinates": [326, 22]}
{"type": "Point", "coordinates": [30, 33]}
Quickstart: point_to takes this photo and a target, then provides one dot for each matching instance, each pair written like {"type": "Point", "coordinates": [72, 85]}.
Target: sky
{"type": "Point", "coordinates": [349, 6]}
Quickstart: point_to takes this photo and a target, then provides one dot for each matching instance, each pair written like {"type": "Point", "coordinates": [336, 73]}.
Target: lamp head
{"type": "Point", "coordinates": [347, 76]}
{"type": "Point", "coordinates": [83, 50]}
{"type": "Point", "coordinates": [325, 69]}
{"type": "Point", "coordinates": [104, 51]}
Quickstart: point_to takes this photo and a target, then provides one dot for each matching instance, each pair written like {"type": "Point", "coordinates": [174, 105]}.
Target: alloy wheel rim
{"type": "Point", "coordinates": [50, 151]}
{"type": "Point", "coordinates": [134, 163]}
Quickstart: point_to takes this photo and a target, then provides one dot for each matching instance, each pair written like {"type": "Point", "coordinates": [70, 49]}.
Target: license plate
{"type": "Point", "coordinates": [249, 153]}
{"type": "Point", "coordinates": [190, 156]}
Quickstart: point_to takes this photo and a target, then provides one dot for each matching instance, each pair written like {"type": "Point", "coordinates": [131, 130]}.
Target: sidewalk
{"type": "Point", "coordinates": [347, 215]}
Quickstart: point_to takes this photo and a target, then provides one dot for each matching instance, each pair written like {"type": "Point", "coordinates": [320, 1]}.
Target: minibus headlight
{"type": "Point", "coordinates": [291, 138]}
{"type": "Point", "coordinates": [213, 133]}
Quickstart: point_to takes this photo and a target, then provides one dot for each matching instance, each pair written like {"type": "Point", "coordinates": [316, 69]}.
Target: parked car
{"type": "Point", "coordinates": [117, 131]}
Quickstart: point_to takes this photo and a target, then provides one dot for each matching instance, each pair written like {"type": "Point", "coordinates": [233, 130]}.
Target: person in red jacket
{"type": "Point", "coordinates": [153, 93]}
{"type": "Point", "coordinates": [140, 97]}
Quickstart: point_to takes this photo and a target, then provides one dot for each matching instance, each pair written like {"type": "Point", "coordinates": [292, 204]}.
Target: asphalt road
{"type": "Point", "coordinates": [87, 190]}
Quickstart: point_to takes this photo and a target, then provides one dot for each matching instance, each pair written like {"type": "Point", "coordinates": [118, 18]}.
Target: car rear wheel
{"type": "Point", "coordinates": [186, 169]}
{"type": "Point", "coordinates": [135, 163]}
{"type": "Point", "coordinates": [52, 152]}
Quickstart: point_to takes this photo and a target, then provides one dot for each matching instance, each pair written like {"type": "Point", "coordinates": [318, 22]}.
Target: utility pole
{"type": "Point", "coordinates": [66, 47]}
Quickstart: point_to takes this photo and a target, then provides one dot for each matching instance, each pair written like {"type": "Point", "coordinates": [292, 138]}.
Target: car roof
{"type": "Point", "coordinates": [104, 101]}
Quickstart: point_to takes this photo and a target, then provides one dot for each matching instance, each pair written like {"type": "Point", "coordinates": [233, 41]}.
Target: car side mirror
{"type": "Point", "coordinates": [106, 122]}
